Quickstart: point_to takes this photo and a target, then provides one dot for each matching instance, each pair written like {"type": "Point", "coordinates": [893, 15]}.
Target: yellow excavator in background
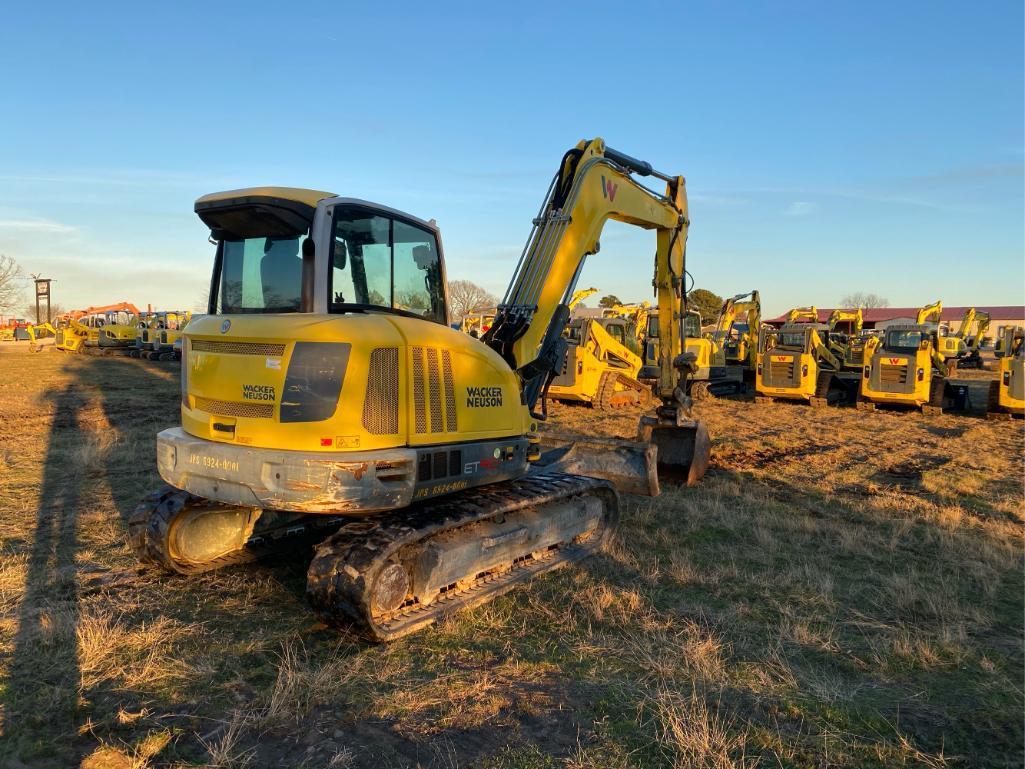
{"type": "Point", "coordinates": [40, 332]}
{"type": "Point", "coordinates": [580, 295]}
{"type": "Point", "coordinates": [796, 362]}
{"type": "Point", "coordinates": [637, 313]}
{"type": "Point", "coordinates": [972, 330]}
{"type": "Point", "coordinates": [949, 346]}
{"type": "Point", "coordinates": [326, 384]}
{"type": "Point", "coordinates": [740, 345]}
{"type": "Point", "coordinates": [849, 344]}
{"type": "Point", "coordinates": [165, 341]}
{"type": "Point", "coordinates": [72, 332]}
{"type": "Point", "coordinates": [907, 365]}
{"type": "Point", "coordinates": [1007, 394]}
{"type": "Point", "coordinates": [117, 334]}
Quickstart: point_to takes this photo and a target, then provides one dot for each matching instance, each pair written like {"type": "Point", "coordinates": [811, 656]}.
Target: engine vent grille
{"type": "Point", "coordinates": [893, 374]}
{"type": "Point", "coordinates": [381, 407]}
{"type": "Point", "coordinates": [434, 398]}
{"type": "Point", "coordinates": [781, 372]}
{"type": "Point", "coordinates": [236, 348]}
{"type": "Point", "coordinates": [235, 408]}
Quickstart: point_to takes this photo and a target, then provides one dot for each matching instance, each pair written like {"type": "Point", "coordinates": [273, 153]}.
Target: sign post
{"type": "Point", "coordinates": [43, 293]}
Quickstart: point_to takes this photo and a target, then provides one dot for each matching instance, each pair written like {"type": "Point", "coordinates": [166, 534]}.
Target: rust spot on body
{"type": "Point", "coordinates": [358, 469]}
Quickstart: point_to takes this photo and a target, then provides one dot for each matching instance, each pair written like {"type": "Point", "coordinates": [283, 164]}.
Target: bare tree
{"type": "Point", "coordinates": [29, 310]}
{"type": "Point", "coordinates": [864, 301]}
{"type": "Point", "coordinates": [11, 289]}
{"type": "Point", "coordinates": [465, 296]}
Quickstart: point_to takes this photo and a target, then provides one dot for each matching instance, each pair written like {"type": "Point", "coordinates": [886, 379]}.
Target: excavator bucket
{"type": "Point", "coordinates": [683, 450]}
{"type": "Point", "coordinates": [677, 454]}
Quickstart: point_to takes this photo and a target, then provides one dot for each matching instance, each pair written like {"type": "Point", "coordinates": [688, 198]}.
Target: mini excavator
{"type": "Point", "coordinates": [325, 391]}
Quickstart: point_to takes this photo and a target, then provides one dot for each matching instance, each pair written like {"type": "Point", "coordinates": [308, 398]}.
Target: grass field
{"type": "Point", "coordinates": [844, 589]}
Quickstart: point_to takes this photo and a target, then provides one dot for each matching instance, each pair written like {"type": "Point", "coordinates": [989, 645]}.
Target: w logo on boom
{"type": "Point", "coordinates": [608, 188]}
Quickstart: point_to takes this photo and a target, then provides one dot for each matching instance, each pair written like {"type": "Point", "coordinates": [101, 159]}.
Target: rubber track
{"type": "Point", "coordinates": [150, 522]}
{"type": "Point", "coordinates": [346, 563]}
{"type": "Point", "coordinates": [607, 389]}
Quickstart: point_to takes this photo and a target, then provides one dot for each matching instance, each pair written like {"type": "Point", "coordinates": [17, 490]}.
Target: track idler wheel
{"type": "Point", "coordinates": [185, 534]}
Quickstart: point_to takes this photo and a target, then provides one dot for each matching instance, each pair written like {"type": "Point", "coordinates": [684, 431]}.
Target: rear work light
{"type": "Point", "coordinates": [868, 371]}
{"type": "Point", "coordinates": [804, 370]}
{"type": "Point", "coordinates": [921, 374]}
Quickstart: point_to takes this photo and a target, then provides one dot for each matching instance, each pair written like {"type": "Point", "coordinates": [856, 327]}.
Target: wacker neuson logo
{"type": "Point", "coordinates": [483, 397]}
{"type": "Point", "coordinates": [257, 392]}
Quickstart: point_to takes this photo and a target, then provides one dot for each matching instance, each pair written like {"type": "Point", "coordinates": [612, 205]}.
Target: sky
{"type": "Point", "coordinates": [828, 147]}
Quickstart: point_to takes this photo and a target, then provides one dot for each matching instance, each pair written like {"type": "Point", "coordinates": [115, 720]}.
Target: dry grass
{"type": "Point", "coordinates": [844, 589]}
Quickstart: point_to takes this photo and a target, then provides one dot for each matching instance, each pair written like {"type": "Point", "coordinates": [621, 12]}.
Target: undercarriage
{"type": "Point", "coordinates": [390, 574]}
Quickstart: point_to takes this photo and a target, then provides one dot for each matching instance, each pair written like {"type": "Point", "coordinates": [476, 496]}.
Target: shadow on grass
{"type": "Point", "coordinates": [43, 710]}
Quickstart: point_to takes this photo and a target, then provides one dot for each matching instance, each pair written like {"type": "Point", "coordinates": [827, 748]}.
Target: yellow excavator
{"type": "Point", "coordinates": [847, 344]}
{"type": "Point", "coordinates": [973, 328]}
{"type": "Point", "coordinates": [797, 363]}
{"type": "Point", "coordinates": [909, 364]}
{"type": "Point", "coordinates": [637, 314]}
{"type": "Point", "coordinates": [166, 344]}
{"type": "Point", "coordinates": [1007, 395]}
{"type": "Point", "coordinates": [117, 334]}
{"type": "Point", "coordinates": [714, 373]}
{"type": "Point", "coordinates": [40, 332]}
{"type": "Point", "coordinates": [325, 385]}
{"type": "Point", "coordinates": [72, 332]}
{"type": "Point", "coordinates": [739, 342]}
{"type": "Point", "coordinates": [599, 367]}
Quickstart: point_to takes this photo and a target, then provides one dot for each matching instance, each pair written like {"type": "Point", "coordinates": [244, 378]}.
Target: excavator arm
{"type": "Point", "coordinates": [823, 352]}
{"type": "Point", "coordinates": [593, 185]}
{"type": "Point", "coordinates": [930, 313]}
{"type": "Point", "coordinates": [854, 317]}
{"type": "Point", "coordinates": [580, 295]}
{"type": "Point", "coordinates": [803, 315]}
{"type": "Point", "coordinates": [982, 321]}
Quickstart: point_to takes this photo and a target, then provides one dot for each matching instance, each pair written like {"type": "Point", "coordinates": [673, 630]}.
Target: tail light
{"type": "Point", "coordinates": [1007, 377]}
{"type": "Point", "coordinates": [759, 368]}
{"type": "Point", "coordinates": [868, 371]}
{"type": "Point", "coordinates": [804, 370]}
{"type": "Point", "coordinates": [921, 374]}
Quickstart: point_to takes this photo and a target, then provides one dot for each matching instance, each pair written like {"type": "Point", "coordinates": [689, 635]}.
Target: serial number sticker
{"type": "Point", "coordinates": [213, 463]}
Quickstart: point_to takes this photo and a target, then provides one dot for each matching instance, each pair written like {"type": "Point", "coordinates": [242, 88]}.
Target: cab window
{"type": "Point", "coordinates": [379, 261]}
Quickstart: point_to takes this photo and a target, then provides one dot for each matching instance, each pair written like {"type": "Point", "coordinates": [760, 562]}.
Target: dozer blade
{"type": "Point", "coordinates": [631, 466]}
{"type": "Point", "coordinates": [683, 450]}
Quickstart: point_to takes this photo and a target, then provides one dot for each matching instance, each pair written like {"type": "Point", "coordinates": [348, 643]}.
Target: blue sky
{"type": "Point", "coordinates": [828, 147]}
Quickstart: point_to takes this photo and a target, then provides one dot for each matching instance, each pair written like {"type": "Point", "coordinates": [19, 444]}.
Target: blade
{"type": "Point", "coordinates": [631, 466]}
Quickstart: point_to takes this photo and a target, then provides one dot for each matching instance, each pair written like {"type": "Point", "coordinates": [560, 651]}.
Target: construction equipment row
{"type": "Point", "coordinates": [116, 329]}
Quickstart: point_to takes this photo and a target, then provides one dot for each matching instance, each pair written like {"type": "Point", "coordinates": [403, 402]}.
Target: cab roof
{"type": "Point", "coordinates": [280, 211]}
{"type": "Point", "coordinates": [293, 194]}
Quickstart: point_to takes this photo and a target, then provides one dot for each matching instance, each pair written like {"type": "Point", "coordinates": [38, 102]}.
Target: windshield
{"type": "Point", "coordinates": [260, 275]}
{"type": "Point", "coordinates": [791, 339]}
{"type": "Point", "coordinates": [903, 340]}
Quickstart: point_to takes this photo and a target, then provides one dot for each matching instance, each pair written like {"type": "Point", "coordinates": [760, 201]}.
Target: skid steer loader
{"type": "Point", "coordinates": [325, 392]}
{"type": "Point", "coordinates": [599, 368]}
{"type": "Point", "coordinates": [796, 363]}
{"type": "Point", "coordinates": [1007, 394]}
